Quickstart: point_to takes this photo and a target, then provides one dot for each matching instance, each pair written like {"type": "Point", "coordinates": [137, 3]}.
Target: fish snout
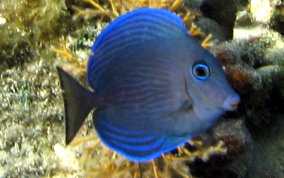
{"type": "Point", "coordinates": [231, 103]}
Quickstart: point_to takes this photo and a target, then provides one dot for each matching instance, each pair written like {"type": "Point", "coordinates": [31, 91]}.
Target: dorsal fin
{"type": "Point", "coordinates": [132, 28]}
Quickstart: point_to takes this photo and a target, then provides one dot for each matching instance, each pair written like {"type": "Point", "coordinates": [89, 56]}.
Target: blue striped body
{"type": "Point", "coordinates": [127, 31]}
{"type": "Point", "coordinates": [141, 68]}
{"type": "Point", "coordinates": [139, 93]}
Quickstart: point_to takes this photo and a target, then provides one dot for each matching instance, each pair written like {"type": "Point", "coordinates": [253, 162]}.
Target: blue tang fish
{"type": "Point", "coordinates": [154, 86]}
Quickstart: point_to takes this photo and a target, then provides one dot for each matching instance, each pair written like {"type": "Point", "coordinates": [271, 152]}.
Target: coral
{"type": "Point", "coordinates": [113, 8]}
{"type": "Point", "coordinates": [99, 161]}
{"type": "Point", "coordinates": [72, 62]}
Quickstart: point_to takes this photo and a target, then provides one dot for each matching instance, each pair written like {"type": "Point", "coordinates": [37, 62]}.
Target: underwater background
{"type": "Point", "coordinates": [246, 36]}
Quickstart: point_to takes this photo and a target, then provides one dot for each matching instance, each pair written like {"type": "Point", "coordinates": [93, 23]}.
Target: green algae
{"type": "Point", "coordinates": [30, 27]}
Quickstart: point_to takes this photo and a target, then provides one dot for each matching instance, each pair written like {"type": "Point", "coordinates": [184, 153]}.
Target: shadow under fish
{"type": "Point", "coordinates": [155, 87]}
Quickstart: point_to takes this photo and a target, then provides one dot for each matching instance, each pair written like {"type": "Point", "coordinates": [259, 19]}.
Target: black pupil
{"type": "Point", "coordinates": [200, 71]}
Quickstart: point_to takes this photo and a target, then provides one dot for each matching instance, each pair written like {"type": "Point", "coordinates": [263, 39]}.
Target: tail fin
{"type": "Point", "coordinates": [78, 102]}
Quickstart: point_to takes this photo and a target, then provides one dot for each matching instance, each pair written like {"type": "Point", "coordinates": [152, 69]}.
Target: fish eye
{"type": "Point", "coordinates": [200, 71]}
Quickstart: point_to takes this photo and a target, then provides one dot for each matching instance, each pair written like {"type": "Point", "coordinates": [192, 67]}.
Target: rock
{"type": "Point", "coordinates": [261, 10]}
{"type": "Point", "coordinates": [216, 19]}
{"type": "Point", "coordinates": [225, 17]}
{"type": "Point", "coordinates": [277, 21]}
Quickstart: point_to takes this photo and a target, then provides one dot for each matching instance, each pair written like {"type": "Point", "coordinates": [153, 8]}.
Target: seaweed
{"type": "Point", "coordinates": [29, 28]}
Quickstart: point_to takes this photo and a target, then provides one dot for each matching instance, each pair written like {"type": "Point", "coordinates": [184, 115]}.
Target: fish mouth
{"type": "Point", "coordinates": [234, 106]}
{"type": "Point", "coordinates": [231, 102]}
